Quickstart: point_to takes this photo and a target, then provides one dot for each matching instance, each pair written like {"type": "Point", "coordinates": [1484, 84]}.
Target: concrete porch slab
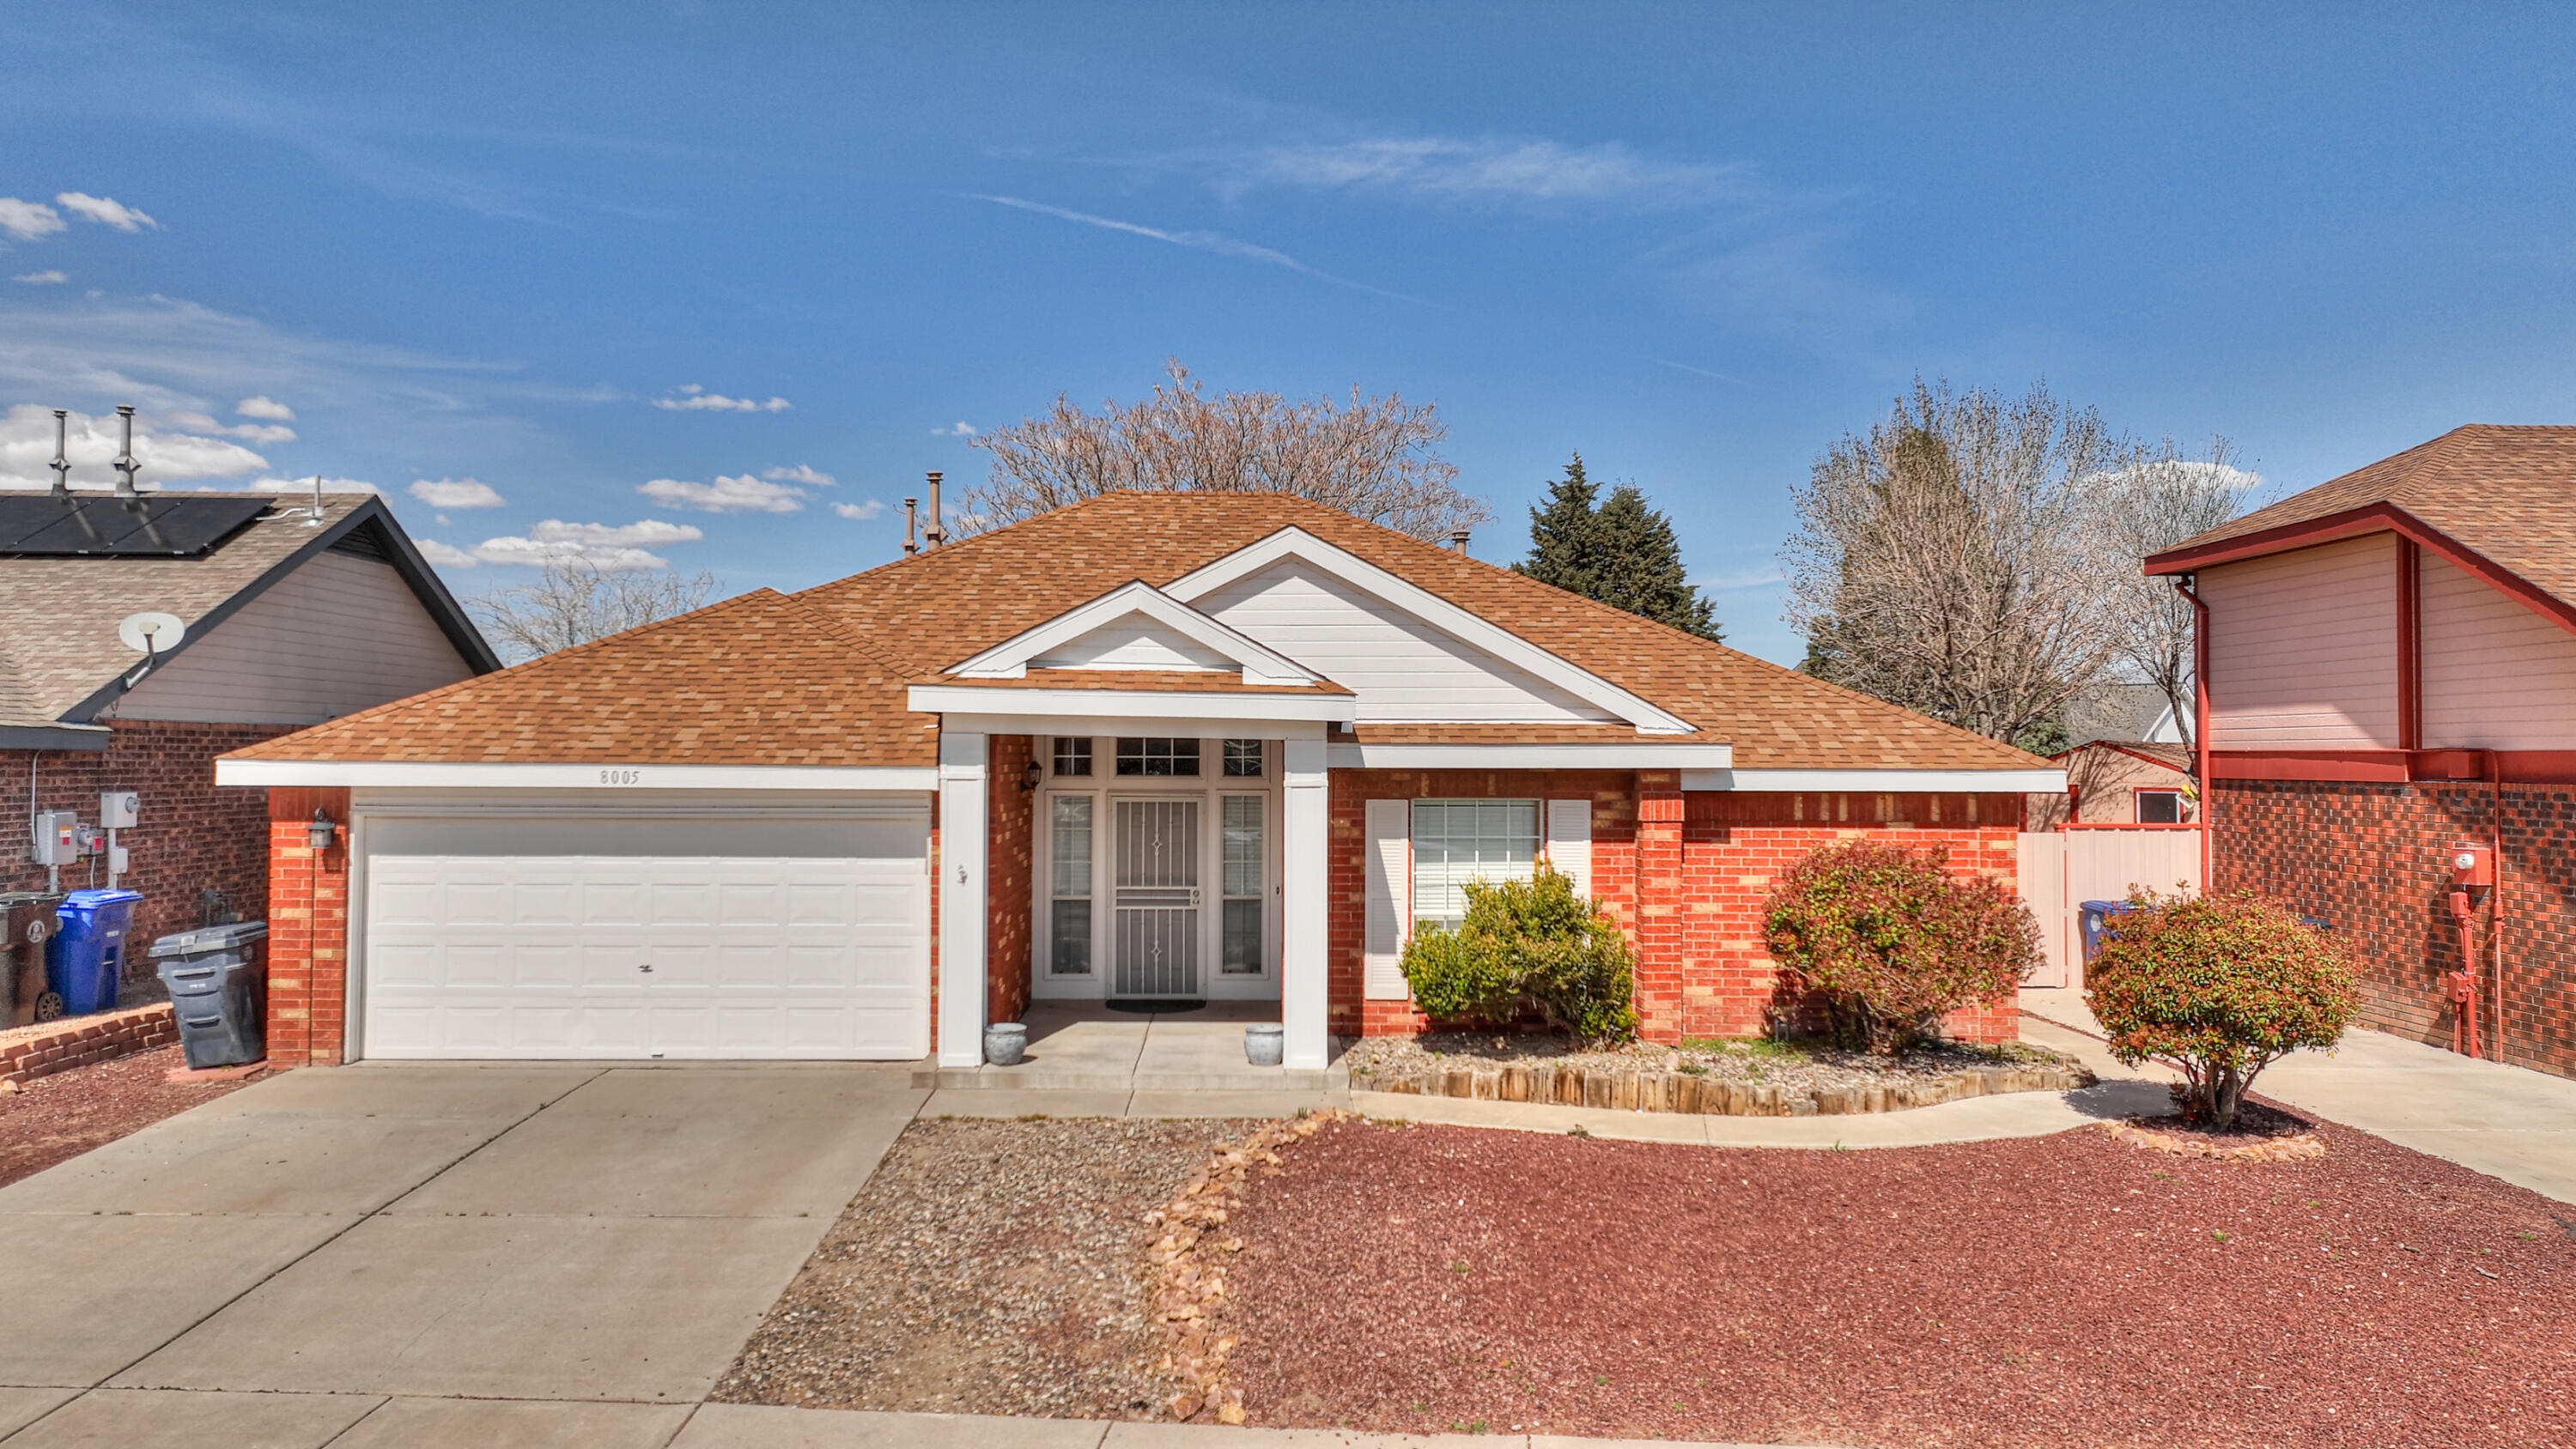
{"type": "Point", "coordinates": [1088, 1047]}
{"type": "Point", "coordinates": [639, 1309]}
{"type": "Point", "coordinates": [513, 1424]}
{"type": "Point", "coordinates": [1006, 1103]}
{"type": "Point", "coordinates": [111, 1289]}
{"type": "Point", "coordinates": [182, 1419]}
{"type": "Point", "coordinates": [287, 1163]}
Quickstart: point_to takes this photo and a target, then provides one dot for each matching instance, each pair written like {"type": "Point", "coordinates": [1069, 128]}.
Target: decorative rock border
{"type": "Point", "coordinates": [1673, 1091]}
{"type": "Point", "coordinates": [2281, 1147]}
{"type": "Point", "coordinates": [77, 1041]}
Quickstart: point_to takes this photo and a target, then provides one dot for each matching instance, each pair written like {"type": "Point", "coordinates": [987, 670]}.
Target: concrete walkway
{"type": "Point", "coordinates": [2506, 1122]}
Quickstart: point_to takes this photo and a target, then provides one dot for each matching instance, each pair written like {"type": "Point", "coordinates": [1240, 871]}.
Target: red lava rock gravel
{"type": "Point", "coordinates": [2065, 1290]}
{"type": "Point", "coordinates": [53, 1119]}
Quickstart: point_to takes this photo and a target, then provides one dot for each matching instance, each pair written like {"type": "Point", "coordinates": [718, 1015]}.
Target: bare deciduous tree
{"type": "Point", "coordinates": [2147, 507]}
{"type": "Point", "coordinates": [1946, 560]}
{"type": "Point", "coordinates": [1372, 458]}
{"type": "Point", "coordinates": [573, 602]}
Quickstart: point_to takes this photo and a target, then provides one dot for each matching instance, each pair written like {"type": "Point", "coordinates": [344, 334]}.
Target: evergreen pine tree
{"type": "Point", "coordinates": [1620, 552]}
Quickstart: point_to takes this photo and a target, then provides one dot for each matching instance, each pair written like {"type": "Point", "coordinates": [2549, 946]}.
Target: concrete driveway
{"type": "Point", "coordinates": [430, 1253]}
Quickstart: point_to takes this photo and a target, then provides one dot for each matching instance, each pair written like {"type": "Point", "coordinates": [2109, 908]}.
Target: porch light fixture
{"type": "Point", "coordinates": [1032, 777]}
{"type": "Point", "coordinates": [321, 832]}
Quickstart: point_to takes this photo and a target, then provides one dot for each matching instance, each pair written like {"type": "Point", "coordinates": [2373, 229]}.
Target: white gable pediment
{"type": "Point", "coordinates": [1408, 654]}
{"type": "Point", "coordinates": [1135, 626]}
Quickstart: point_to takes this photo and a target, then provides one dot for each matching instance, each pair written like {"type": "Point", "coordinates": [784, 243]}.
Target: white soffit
{"type": "Point", "coordinates": [1934, 782]}
{"type": "Point", "coordinates": [602, 778]}
{"type": "Point", "coordinates": [1429, 607]}
{"type": "Point", "coordinates": [1259, 662]}
{"type": "Point", "coordinates": [1690, 759]}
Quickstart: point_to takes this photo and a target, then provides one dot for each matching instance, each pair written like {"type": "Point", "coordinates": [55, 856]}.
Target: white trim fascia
{"type": "Point", "coordinates": [943, 699]}
{"type": "Point", "coordinates": [1177, 725]}
{"type": "Point", "coordinates": [1949, 782]}
{"type": "Point", "coordinates": [1466, 624]}
{"type": "Point", "coordinates": [1260, 663]}
{"type": "Point", "coordinates": [607, 779]}
{"type": "Point", "coordinates": [1688, 758]}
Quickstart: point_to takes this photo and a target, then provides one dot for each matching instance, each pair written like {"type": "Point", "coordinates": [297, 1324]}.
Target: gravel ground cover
{"type": "Point", "coordinates": [989, 1267]}
{"type": "Point", "coordinates": [2065, 1290]}
{"type": "Point", "coordinates": [52, 1119]}
{"type": "Point", "coordinates": [1798, 1068]}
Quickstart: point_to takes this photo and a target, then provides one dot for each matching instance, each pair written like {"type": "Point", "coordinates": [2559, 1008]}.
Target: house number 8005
{"type": "Point", "coordinates": [621, 777]}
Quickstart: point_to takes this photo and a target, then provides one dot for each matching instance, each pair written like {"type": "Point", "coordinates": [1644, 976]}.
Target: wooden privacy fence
{"type": "Point", "coordinates": [2061, 869]}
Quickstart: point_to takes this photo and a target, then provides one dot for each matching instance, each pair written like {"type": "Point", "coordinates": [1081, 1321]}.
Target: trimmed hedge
{"type": "Point", "coordinates": [1893, 941]}
{"type": "Point", "coordinates": [1528, 944]}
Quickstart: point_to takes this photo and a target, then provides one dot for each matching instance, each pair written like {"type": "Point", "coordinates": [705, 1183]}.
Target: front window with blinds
{"type": "Point", "coordinates": [1069, 887]}
{"type": "Point", "coordinates": [1457, 841]}
{"type": "Point", "coordinates": [1244, 873]}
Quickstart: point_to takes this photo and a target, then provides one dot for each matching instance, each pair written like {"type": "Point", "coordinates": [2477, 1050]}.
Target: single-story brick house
{"type": "Point", "coordinates": [292, 615]}
{"type": "Point", "coordinates": [2120, 782]}
{"type": "Point", "coordinates": [2389, 674]}
{"type": "Point", "coordinates": [1154, 745]}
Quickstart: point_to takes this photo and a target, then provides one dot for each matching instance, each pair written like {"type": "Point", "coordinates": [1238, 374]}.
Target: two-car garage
{"type": "Point", "coordinates": [630, 928]}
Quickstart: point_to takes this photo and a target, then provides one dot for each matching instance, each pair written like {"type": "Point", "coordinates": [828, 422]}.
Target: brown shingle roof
{"type": "Point", "coordinates": [760, 679]}
{"type": "Point", "coordinates": [2507, 494]}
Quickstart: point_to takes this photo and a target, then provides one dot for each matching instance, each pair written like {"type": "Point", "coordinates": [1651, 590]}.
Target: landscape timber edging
{"type": "Point", "coordinates": [1674, 1091]}
{"type": "Point", "coordinates": [78, 1041]}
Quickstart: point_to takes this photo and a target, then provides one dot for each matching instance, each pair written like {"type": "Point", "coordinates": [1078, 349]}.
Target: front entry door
{"type": "Point", "coordinates": [1155, 899]}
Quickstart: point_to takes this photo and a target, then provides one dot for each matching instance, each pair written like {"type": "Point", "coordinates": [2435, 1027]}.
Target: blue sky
{"type": "Point", "coordinates": [503, 244]}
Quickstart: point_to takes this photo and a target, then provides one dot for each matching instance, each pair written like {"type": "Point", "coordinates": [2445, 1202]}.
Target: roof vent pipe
{"type": "Point", "coordinates": [935, 531]}
{"type": "Point", "coordinates": [125, 464]}
{"type": "Point", "coordinates": [911, 519]}
{"type": "Point", "coordinates": [62, 464]}
{"type": "Point", "coordinates": [1458, 539]}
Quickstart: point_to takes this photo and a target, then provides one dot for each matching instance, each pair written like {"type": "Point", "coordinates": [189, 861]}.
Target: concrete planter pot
{"type": "Point", "coordinates": [1006, 1044]}
{"type": "Point", "coordinates": [1265, 1044]}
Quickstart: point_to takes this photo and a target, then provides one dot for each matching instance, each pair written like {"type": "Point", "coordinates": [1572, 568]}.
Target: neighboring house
{"type": "Point", "coordinates": [2391, 657]}
{"type": "Point", "coordinates": [2120, 782]}
{"type": "Point", "coordinates": [290, 619]}
{"type": "Point", "coordinates": [1152, 746]}
{"type": "Point", "coordinates": [2121, 712]}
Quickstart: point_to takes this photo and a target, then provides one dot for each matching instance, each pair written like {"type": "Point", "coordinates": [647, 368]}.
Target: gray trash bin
{"type": "Point", "coordinates": [218, 991]}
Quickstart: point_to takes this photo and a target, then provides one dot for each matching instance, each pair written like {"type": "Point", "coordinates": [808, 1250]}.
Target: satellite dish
{"type": "Point", "coordinates": [151, 632]}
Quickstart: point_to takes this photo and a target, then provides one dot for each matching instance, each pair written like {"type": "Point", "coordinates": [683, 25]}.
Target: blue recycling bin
{"type": "Point", "coordinates": [86, 959]}
{"type": "Point", "coordinates": [2092, 915]}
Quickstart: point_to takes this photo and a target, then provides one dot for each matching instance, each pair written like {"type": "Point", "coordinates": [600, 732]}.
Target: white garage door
{"type": "Point", "coordinates": [641, 937]}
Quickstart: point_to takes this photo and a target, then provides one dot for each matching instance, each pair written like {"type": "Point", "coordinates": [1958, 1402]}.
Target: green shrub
{"type": "Point", "coordinates": [2218, 988]}
{"type": "Point", "coordinates": [1528, 944]}
{"type": "Point", "coordinates": [1893, 942]}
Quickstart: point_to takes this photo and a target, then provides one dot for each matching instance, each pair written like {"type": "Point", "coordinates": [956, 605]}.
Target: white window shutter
{"type": "Point", "coordinates": [1390, 900]}
{"type": "Point", "coordinates": [1569, 842]}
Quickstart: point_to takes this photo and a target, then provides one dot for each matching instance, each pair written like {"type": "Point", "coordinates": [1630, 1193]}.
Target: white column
{"type": "Point", "coordinates": [962, 891]}
{"type": "Point", "coordinates": [1304, 836]}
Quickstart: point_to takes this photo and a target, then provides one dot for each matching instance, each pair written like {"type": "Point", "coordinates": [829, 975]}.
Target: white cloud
{"type": "Point", "coordinates": [739, 494]}
{"type": "Point", "coordinates": [262, 407]}
{"type": "Point", "coordinates": [610, 548]}
{"type": "Point", "coordinates": [305, 485]}
{"type": "Point", "coordinates": [90, 442]}
{"type": "Point", "coordinates": [105, 212]}
{"type": "Point", "coordinates": [42, 279]}
{"type": "Point", "coordinates": [260, 433]}
{"type": "Point", "coordinates": [1502, 169]}
{"type": "Point", "coordinates": [810, 477]}
{"type": "Point", "coordinates": [605, 535]}
{"type": "Point", "coordinates": [1206, 241]}
{"type": "Point", "coordinates": [446, 556]}
{"type": "Point", "coordinates": [860, 511]}
{"type": "Point", "coordinates": [455, 493]}
{"type": "Point", "coordinates": [959, 430]}
{"type": "Point", "coordinates": [29, 220]}
{"type": "Point", "coordinates": [696, 399]}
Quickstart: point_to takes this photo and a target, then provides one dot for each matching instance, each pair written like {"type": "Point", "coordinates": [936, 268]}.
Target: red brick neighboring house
{"type": "Point", "coordinates": [2390, 675]}
{"type": "Point", "coordinates": [1155, 745]}
{"type": "Point", "coordinates": [290, 619]}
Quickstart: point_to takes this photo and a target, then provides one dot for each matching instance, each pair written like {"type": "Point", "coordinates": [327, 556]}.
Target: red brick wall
{"type": "Point", "coordinates": [1686, 876]}
{"type": "Point", "coordinates": [80, 1040]}
{"type": "Point", "coordinates": [1010, 845]}
{"type": "Point", "coordinates": [193, 834]}
{"type": "Point", "coordinates": [308, 930]}
{"type": "Point", "coordinates": [2373, 862]}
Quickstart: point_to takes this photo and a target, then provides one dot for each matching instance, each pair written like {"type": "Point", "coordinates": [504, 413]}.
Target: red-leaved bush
{"type": "Point", "coordinates": [2218, 988]}
{"type": "Point", "coordinates": [1893, 941]}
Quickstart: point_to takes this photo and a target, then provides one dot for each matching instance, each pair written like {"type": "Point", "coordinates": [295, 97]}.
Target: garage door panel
{"type": "Point", "coordinates": [815, 946]}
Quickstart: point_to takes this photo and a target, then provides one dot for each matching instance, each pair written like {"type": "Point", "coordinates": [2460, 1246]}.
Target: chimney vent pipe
{"type": "Point", "coordinates": [911, 522]}
{"type": "Point", "coordinates": [1458, 539]}
{"type": "Point", "coordinates": [62, 465]}
{"type": "Point", "coordinates": [935, 530]}
{"type": "Point", "coordinates": [125, 464]}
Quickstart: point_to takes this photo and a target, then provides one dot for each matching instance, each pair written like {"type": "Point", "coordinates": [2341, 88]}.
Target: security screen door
{"type": "Point", "coordinates": [1155, 899]}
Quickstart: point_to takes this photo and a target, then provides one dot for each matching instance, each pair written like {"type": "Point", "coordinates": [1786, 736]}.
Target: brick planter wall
{"type": "Point", "coordinates": [193, 834]}
{"type": "Point", "coordinates": [2373, 862]}
{"type": "Point", "coordinates": [1687, 876]}
{"type": "Point", "coordinates": [77, 1041]}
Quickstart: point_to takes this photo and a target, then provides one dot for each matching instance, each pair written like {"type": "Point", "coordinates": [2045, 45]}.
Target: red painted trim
{"type": "Point", "coordinates": [2434, 766]}
{"type": "Point", "coordinates": [2410, 645]}
{"type": "Point", "coordinates": [2375, 518]}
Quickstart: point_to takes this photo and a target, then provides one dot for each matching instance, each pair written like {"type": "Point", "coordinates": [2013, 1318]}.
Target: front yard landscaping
{"type": "Point", "coordinates": [53, 1119]}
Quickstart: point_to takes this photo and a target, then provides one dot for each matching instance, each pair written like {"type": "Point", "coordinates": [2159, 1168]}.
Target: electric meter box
{"type": "Point", "coordinates": [120, 810]}
{"type": "Point", "coordinates": [58, 838]}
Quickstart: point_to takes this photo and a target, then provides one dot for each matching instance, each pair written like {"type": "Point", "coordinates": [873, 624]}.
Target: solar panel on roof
{"type": "Point", "coordinates": [156, 525]}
